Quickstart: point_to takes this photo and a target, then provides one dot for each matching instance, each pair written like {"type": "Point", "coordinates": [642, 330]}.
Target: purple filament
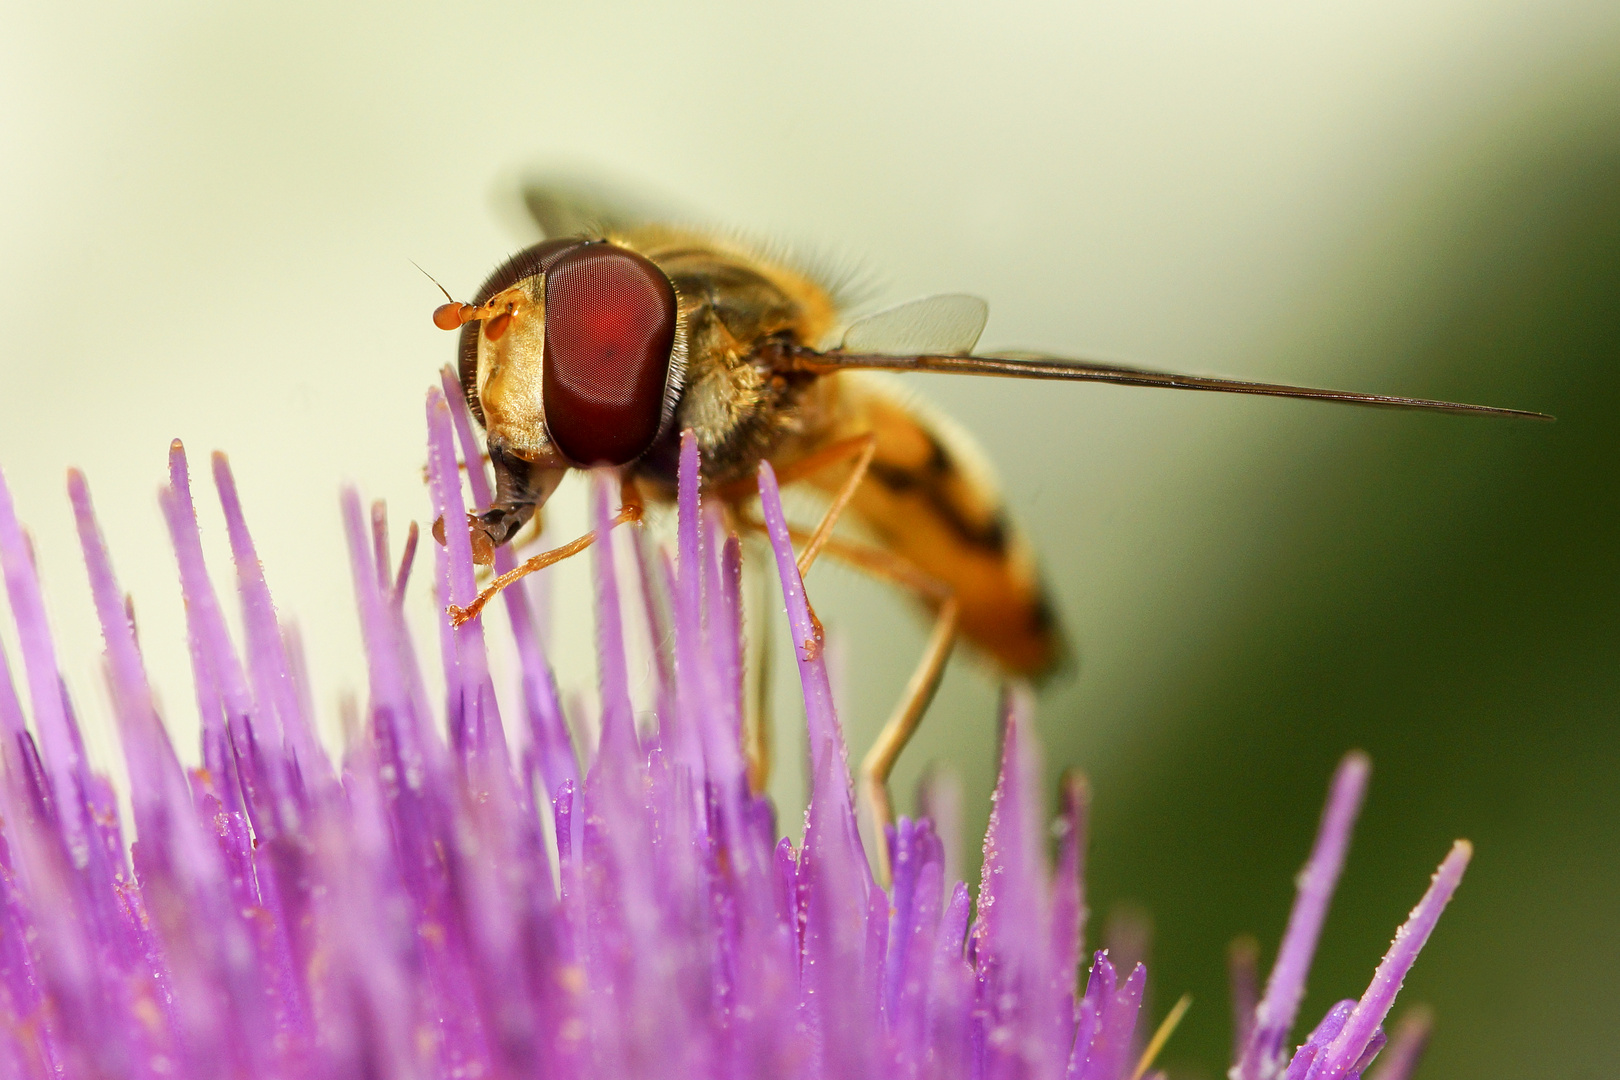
{"type": "Point", "coordinates": [431, 904]}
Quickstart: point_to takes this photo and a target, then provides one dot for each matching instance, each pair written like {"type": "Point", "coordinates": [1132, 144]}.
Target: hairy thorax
{"type": "Point", "coordinates": [732, 302]}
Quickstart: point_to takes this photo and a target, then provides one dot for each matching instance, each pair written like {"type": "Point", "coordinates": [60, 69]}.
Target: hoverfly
{"type": "Point", "coordinates": [605, 341]}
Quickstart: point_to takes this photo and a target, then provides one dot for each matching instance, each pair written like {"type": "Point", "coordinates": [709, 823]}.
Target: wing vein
{"type": "Point", "coordinates": [1014, 367]}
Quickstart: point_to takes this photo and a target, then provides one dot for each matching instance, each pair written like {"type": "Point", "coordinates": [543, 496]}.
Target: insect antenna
{"type": "Point", "coordinates": [446, 316]}
{"type": "Point", "coordinates": [435, 281]}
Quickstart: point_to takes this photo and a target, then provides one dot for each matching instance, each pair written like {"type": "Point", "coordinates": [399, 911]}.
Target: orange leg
{"type": "Point", "coordinates": [631, 509]}
{"type": "Point", "coordinates": [902, 724]}
{"type": "Point", "coordinates": [880, 759]}
{"type": "Point", "coordinates": [757, 721]}
{"type": "Point", "coordinates": [485, 572]}
{"type": "Point", "coordinates": [860, 447]}
{"type": "Point", "coordinates": [799, 468]}
{"type": "Point", "coordinates": [756, 725]}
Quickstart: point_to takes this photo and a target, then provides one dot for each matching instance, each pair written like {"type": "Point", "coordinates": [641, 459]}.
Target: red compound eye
{"type": "Point", "coordinates": [610, 326]}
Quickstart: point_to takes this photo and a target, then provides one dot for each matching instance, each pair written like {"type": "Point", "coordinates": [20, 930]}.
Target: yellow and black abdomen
{"type": "Point", "coordinates": [929, 499]}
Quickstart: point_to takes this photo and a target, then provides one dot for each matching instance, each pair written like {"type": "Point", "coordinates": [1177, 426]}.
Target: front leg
{"type": "Point", "coordinates": [629, 511]}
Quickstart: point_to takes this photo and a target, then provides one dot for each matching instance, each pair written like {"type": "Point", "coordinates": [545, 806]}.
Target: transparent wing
{"type": "Point", "coordinates": [570, 203]}
{"type": "Point", "coordinates": [947, 324]}
{"type": "Point", "coordinates": [570, 210]}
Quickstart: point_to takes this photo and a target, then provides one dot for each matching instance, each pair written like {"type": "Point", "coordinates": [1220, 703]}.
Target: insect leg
{"type": "Point", "coordinates": [860, 447]}
{"type": "Point", "coordinates": [863, 447]}
{"type": "Point", "coordinates": [885, 751]}
{"type": "Point", "coordinates": [757, 722]}
{"type": "Point", "coordinates": [880, 759]}
{"type": "Point", "coordinates": [630, 510]}
{"type": "Point", "coordinates": [908, 713]}
{"type": "Point", "coordinates": [756, 727]}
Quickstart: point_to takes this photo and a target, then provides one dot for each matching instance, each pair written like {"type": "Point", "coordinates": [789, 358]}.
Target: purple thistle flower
{"type": "Point", "coordinates": [435, 904]}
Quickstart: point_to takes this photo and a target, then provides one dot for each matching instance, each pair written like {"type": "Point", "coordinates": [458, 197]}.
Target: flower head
{"type": "Point", "coordinates": [440, 904]}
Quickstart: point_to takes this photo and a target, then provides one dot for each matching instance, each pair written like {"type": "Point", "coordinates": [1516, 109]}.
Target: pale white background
{"type": "Point", "coordinates": [208, 215]}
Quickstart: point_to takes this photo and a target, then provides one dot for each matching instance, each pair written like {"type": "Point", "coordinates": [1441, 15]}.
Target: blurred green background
{"type": "Point", "coordinates": [207, 216]}
{"type": "Point", "coordinates": [1446, 597]}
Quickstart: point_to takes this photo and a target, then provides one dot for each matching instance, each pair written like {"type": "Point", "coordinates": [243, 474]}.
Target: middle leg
{"type": "Point", "coordinates": [878, 763]}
